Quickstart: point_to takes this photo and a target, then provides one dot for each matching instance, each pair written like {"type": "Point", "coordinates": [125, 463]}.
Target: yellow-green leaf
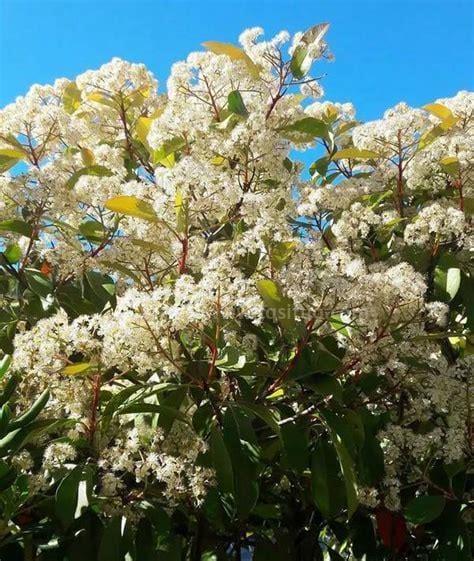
{"type": "Point", "coordinates": [438, 110]}
{"type": "Point", "coordinates": [77, 368]}
{"type": "Point", "coordinates": [280, 253]}
{"type": "Point", "coordinates": [281, 306]}
{"type": "Point", "coordinates": [95, 170]}
{"type": "Point", "coordinates": [102, 98]}
{"type": "Point", "coordinates": [450, 165]}
{"type": "Point", "coordinates": [447, 118]}
{"type": "Point", "coordinates": [87, 157]}
{"type": "Point", "coordinates": [301, 60]}
{"type": "Point", "coordinates": [164, 155]}
{"type": "Point", "coordinates": [131, 206]}
{"type": "Point", "coordinates": [355, 154]}
{"type": "Point", "coordinates": [218, 161]}
{"type": "Point", "coordinates": [71, 97]}
{"type": "Point", "coordinates": [9, 157]}
{"type": "Point", "coordinates": [142, 128]}
{"type": "Point", "coordinates": [181, 212]}
{"type": "Point", "coordinates": [234, 53]}
{"type": "Point", "coordinates": [137, 97]}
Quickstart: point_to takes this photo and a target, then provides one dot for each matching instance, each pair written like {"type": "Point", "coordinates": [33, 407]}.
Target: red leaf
{"type": "Point", "coordinates": [391, 528]}
{"type": "Point", "coordinates": [46, 268]}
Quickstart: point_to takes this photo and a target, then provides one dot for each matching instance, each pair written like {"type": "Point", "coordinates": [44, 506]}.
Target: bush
{"type": "Point", "coordinates": [214, 350]}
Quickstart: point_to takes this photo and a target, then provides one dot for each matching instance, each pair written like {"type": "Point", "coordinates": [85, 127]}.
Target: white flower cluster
{"type": "Point", "coordinates": [220, 209]}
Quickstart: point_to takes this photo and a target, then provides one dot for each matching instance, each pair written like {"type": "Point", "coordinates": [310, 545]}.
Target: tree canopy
{"type": "Point", "coordinates": [212, 345]}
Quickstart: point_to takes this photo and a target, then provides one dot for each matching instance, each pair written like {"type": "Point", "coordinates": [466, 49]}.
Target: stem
{"type": "Point", "coordinates": [400, 176]}
{"type": "Point", "coordinates": [183, 257]}
{"type": "Point", "coordinates": [299, 349]}
{"type": "Point", "coordinates": [458, 185]}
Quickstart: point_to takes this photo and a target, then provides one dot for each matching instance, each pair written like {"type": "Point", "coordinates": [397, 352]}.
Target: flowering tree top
{"type": "Point", "coordinates": [208, 347]}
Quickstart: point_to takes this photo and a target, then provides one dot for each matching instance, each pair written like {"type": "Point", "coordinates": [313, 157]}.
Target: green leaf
{"type": "Point", "coordinates": [447, 278]}
{"type": "Point", "coordinates": [230, 359]}
{"type": "Point", "coordinates": [320, 166]}
{"type": "Point", "coordinates": [9, 387]}
{"type": "Point", "coordinates": [221, 461]}
{"type": "Point", "coordinates": [8, 475]}
{"type": "Point", "coordinates": [328, 355]}
{"type": "Point", "coordinates": [9, 157]}
{"type": "Point", "coordinates": [326, 486]}
{"type": "Point", "coordinates": [450, 165]}
{"type": "Point", "coordinates": [96, 171]}
{"type": "Point", "coordinates": [453, 281]}
{"type": "Point", "coordinates": [301, 62]}
{"type": "Point", "coordinates": [265, 413]}
{"type": "Point", "coordinates": [236, 104]}
{"type": "Point", "coordinates": [469, 206]}
{"type": "Point", "coordinates": [209, 556]}
{"type": "Point", "coordinates": [430, 136]}
{"type": "Point", "coordinates": [111, 545]}
{"type": "Point", "coordinates": [280, 305]}
{"type": "Point", "coordinates": [424, 509]}
{"type": "Point", "coordinates": [131, 206]}
{"type": "Point", "coordinates": [345, 461]}
{"type": "Point", "coordinates": [280, 253]}
{"type": "Point", "coordinates": [12, 253]}
{"type": "Point", "coordinates": [295, 445]}
{"type": "Point", "coordinates": [165, 154]}
{"type": "Point", "coordinates": [104, 99]}
{"type": "Point", "coordinates": [241, 444]}
{"type": "Point", "coordinates": [305, 130]}
{"type": "Point", "coordinates": [325, 385]}
{"type": "Point", "coordinates": [31, 414]}
{"type": "Point", "coordinates": [5, 362]}
{"type": "Point", "coordinates": [355, 154]}
{"type": "Point", "coordinates": [115, 402]}
{"type": "Point", "coordinates": [92, 230]}
{"type": "Point", "coordinates": [234, 53]}
{"type": "Point", "coordinates": [38, 282]}
{"type": "Point", "coordinates": [71, 98]}
{"type": "Point", "coordinates": [17, 226]}
{"type": "Point", "coordinates": [73, 495]}
{"type": "Point", "coordinates": [154, 408]}
{"type": "Point", "coordinates": [17, 438]}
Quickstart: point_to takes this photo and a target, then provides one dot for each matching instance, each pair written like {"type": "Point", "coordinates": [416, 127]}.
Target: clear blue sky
{"type": "Point", "coordinates": [386, 50]}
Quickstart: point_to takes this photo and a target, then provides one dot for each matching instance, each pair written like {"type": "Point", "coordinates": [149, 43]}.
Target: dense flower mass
{"type": "Point", "coordinates": [208, 347]}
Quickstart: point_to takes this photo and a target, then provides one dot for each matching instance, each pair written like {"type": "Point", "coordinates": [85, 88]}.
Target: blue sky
{"type": "Point", "coordinates": [386, 50]}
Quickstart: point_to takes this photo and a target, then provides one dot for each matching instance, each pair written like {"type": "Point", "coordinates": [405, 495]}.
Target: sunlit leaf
{"type": "Point", "coordinates": [142, 128]}
{"type": "Point", "coordinates": [131, 206]}
{"type": "Point", "coordinates": [71, 97]}
{"type": "Point", "coordinates": [9, 157]}
{"type": "Point", "coordinates": [77, 368]}
{"type": "Point", "coordinates": [355, 154]}
{"type": "Point", "coordinates": [301, 60]}
{"type": "Point", "coordinates": [450, 165]}
{"type": "Point", "coordinates": [235, 53]}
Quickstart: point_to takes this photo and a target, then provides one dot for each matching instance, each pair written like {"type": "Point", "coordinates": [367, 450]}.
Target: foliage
{"type": "Point", "coordinates": [208, 349]}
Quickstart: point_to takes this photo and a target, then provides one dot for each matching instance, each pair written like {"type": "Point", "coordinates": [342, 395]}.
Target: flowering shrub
{"type": "Point", "coordinates": [208, 349]}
